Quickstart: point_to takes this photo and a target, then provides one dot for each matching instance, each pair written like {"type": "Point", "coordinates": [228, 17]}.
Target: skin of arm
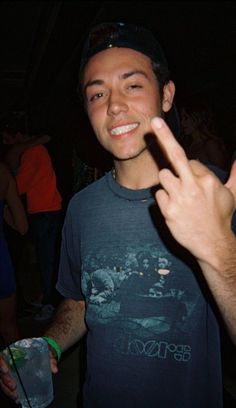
{"type": "Point", "coordinates": [67, 328]}
{"type": "Point", "coordinates": [198, 210]}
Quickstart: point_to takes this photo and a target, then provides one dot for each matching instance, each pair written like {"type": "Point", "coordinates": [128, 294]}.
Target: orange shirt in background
{"type": "Point", "coordinates": [36, 178]}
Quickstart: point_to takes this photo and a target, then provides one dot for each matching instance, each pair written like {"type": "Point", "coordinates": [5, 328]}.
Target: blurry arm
{"type": "Point", "coordinates": [14, 213]}
{"type": "Point", "coordinates": [39, 139]}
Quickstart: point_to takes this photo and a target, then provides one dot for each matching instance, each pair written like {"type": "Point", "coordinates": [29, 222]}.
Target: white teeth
{"type": "Point", "coordinates": [123, 129]}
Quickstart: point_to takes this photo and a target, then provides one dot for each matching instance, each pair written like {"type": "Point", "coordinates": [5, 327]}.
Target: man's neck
{"type": "Point", "coordinates": [136, 175]}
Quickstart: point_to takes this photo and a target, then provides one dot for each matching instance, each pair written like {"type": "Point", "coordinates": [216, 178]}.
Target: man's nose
{"type": "Point", "coordinates": [117, 104]}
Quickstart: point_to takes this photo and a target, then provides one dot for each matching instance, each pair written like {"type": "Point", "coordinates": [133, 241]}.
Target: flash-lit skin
{"type": "Point", "coordinates": [121, 89]}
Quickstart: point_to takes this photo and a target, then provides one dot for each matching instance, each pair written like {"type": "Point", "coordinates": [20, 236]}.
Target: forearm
{"type": "Point", "coordinates": [68, 326]}
{"type": "Point", "coordinates": [18, 220]}
{"type": "Point", "coordinates": [8, 218]}
{"type": "Point", "coordinates": [220, 273]}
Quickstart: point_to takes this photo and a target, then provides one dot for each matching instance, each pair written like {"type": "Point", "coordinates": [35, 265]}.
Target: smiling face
{"type": "Point", "coordinates": [122, 95]}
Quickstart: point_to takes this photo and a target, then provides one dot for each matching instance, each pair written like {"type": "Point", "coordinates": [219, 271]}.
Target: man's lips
{"type": "Point", "coordinates": [123, 129]}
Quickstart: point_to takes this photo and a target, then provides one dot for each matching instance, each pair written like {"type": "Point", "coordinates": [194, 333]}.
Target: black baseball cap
{"type": "Point", "coordinates": [128, 35]}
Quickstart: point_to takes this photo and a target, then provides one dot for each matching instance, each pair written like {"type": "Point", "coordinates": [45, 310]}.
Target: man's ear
{"type": "Point", "coordinates": [168, 96]}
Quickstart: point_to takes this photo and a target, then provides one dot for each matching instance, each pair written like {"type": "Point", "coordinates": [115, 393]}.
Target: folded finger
{"type": "Point", "coordinates": [169, 181]}
{"type": "Point", "coordinates": [162, 200]}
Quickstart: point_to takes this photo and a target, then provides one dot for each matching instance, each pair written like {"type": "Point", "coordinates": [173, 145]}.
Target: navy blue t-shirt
{"type": "Point", "coordinates": [153, 337]}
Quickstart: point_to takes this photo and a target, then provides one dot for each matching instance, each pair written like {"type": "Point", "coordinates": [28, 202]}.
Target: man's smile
{"type": "Point", "coordinates": [120, 130]}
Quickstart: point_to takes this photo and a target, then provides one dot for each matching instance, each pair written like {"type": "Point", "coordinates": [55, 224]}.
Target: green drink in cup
{"type": "Point", "coordinates": [29, 364]}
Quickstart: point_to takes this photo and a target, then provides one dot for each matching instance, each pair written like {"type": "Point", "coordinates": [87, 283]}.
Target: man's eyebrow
{"type": "Point", "coordinates": [123, 76]}
{"type": "Point", "coordinates": [93, 82]}
{"type": "Point", "coordinates": [131, 73]}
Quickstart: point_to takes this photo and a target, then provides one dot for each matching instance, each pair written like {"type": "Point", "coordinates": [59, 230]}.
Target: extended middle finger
{"type": "Point", "coordinates": [173, 150]}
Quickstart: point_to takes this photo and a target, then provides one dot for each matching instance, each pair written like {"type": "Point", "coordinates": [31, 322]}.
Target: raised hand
{"type": "Point", "coordinates": [197, 207]}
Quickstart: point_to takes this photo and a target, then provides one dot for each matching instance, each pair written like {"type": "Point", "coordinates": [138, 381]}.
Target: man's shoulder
{"type": "Point", "coordinates": [35, 154]}
{"type": "Point", "coordinates": [89, 193]}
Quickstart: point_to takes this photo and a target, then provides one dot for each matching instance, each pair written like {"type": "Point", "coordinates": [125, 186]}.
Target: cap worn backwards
{"type": "Point", "coordinates": [127, 35]}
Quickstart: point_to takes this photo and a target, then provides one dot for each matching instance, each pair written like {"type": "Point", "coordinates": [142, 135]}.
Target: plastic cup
{"type": "Point", "coordinates": [29, 364]}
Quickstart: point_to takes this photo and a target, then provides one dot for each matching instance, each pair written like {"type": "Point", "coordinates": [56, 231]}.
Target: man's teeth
{"type": "Point", "coordinates": [123, 129]}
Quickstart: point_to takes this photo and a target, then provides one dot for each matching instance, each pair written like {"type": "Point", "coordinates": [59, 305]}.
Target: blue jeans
{"type": "Point", "coordinates": [45, 228]}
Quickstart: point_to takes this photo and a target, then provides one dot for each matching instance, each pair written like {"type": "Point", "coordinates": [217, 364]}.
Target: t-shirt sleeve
{"type": "Point", "coordinates": [69, 278]}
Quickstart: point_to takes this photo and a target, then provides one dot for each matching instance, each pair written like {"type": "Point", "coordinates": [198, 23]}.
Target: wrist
{"type": "Point", "coordinates": [222, 258]}
{"type": "Point", "coordinates": [54, 347]}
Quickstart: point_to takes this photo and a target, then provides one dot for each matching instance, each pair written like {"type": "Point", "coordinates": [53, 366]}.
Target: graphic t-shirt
{"type": "Point", "coordinates": [153, 337]}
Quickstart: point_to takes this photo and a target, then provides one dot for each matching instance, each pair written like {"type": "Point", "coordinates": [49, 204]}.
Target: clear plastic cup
{"type": "Point", "coordinates": [29, 364]}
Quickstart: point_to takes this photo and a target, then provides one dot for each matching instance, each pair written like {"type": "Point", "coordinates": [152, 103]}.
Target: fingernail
{"type": "Point", "coordinates": [157, 122]}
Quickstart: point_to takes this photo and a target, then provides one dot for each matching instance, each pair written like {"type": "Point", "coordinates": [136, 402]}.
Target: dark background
{"type": "Point", "coordinates": [40, 43]}
{"type": "Point", "coordinates": [40, 49]}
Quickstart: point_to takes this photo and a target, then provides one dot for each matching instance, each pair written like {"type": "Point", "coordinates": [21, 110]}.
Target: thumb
{"type": "Point", "coordinates": [231, 183]}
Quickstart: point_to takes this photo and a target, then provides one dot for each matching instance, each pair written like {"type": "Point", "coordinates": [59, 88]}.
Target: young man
{"type": "Point", "coordinates": [148, 253]}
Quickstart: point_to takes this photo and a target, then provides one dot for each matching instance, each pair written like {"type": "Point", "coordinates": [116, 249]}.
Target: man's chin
{"type": "Point", "coordinates": [128, 155]}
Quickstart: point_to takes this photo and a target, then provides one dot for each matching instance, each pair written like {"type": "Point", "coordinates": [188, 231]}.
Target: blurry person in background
{"type": "Point", "coordinates": [12, 211]}
{"type": "Point", "coordinates": [36, 179]}
{"type": "Point", "coordinates": [199, 135]}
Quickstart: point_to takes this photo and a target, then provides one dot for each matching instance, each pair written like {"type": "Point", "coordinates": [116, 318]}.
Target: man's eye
{"type": "Point", "coordinates": [96, 96]}
{"type": "Point", "coordinates": [134, 86]}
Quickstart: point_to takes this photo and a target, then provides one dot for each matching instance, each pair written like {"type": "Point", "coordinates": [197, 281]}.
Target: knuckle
{"type": "Point", "coordinates": [171, 211]}
{"type": "Point", "coordinates": [194, 192]}
{"type": "Point", "coordinates": [210, 181]}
